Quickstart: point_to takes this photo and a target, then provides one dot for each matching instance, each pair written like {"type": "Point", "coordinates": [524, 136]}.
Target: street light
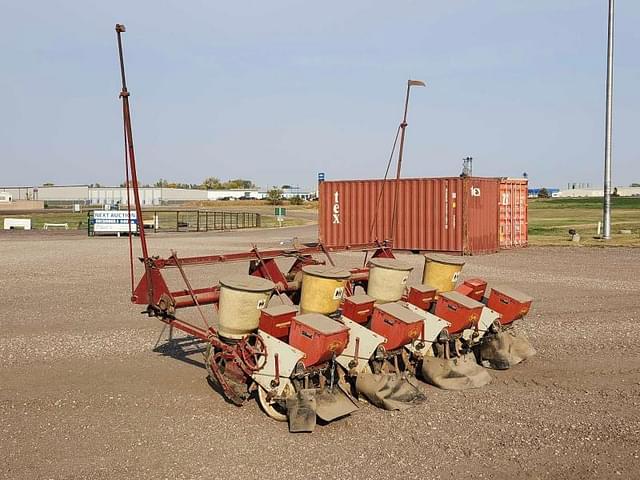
{"type": "Point", "coordinates": [606, 204]}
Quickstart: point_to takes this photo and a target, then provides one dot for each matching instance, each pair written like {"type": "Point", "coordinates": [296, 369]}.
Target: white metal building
{"type": "Point", "coordinates": [599, 192]}
{"type": "Point", "coordinates": [292, 192]}
{"type": "Point", "coordinates": [86, 195]}
{"type": "Point", "coordinates": [21, 193]}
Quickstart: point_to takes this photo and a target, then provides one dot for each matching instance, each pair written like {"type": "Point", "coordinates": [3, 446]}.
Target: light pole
{"type": "Point", "coordinates": [403, 127]}
{"type": "Point", "coordinates": [606, 206]}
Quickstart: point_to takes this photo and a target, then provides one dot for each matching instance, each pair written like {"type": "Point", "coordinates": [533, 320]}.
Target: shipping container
{"type": "Point", "coordinates": [513, 212]}
{"type": "Point", "coordinates": [453, 214]}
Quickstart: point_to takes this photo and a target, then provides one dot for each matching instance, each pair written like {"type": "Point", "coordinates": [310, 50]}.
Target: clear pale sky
{"type": "Point", "coordinates": [276, 91]}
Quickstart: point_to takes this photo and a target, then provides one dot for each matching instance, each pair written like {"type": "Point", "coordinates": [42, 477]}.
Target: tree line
{"type": "Point", "coordinates": [209, 183]}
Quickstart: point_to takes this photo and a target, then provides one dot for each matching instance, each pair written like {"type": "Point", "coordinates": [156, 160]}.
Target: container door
{"type": "Point", "coordinates": [505, 216]}
{"type": "Point", "coordinates": [509, 223]}
{"type": "Point", "coordinates": [481, 215]}
{"type": "Point", "coordinates": [513, 213]}
{"type": "Point", "coordinates": [520, 214]}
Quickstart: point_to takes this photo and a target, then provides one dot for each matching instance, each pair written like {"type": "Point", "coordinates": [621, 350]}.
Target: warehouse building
{"type": "Point", "coordinates": [87, 195]}
{"type": "Point", "coordinates": [149, 196]}
{"type": "Point", "coordinates": [599, 192]}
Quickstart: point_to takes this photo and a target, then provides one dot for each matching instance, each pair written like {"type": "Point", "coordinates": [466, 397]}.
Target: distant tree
{"type": "Point", "coordinates": [615, 192]}
{"type": "Point", "coordinates": [286, 187]}
{"type": "Point", "coordinates": [238, 183]}
{"type": "Point", "coordinates": [211, 183]}
{"type": "Point", "coordinates": [161, 183]}
{"type": "Point", "coordinates": [185, 185]}
{"type": "Point", "coordinates": [274, 196]}
{"type": "Point", "coordinates": [635, 184]}
{"type": "Point", "coordinates": [544, 193]}
{"type": "Point", "coordinates": [47, 184]}
{"type": "Point", "coordinates": [297, 200]}
{"type": "Point", "coordinates": [214, 183]}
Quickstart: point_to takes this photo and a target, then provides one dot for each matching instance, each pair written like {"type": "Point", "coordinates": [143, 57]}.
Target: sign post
{"type": "Point", "coordinates": [280, 213]}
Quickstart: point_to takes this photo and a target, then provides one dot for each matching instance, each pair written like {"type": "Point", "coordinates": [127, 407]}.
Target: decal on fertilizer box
{"type": "Point", "coordinates": [113, 221]}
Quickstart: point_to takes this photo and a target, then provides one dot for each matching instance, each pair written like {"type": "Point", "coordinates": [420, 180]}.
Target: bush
{"type": "Point", "coordinates": [274, 196]}
{"type": "Point", "coordinates": [296, 200]}
{"type": "Point", "coordinates": [544, 193]}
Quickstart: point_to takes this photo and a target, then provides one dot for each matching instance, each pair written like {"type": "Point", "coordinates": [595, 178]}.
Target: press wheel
{"type": "Point", "coordinates": [270, 407]}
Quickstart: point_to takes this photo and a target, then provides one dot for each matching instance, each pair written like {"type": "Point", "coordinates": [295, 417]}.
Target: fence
{"type": "Point", "coordinates": [192, 220]}
{"type": "Point", "coordinates": [202, 221]}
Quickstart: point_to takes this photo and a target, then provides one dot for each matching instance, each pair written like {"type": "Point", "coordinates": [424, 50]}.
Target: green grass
{"type": "Point", "coordinates": [76, 221]}
{"type": "Point", "coordinates": [268, 221]}
{"type": "Point", "coordinates": [550, 220]}
{"type": "Point", "coordinates": [167, 220]}
{"type": "Point", "coordinates": [632, 203]}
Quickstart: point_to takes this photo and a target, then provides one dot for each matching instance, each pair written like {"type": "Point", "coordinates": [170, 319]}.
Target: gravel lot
{"type": "Point", "coordinates": [83, 394]}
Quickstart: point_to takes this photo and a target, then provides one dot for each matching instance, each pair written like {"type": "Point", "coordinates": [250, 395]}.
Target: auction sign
{"type": "Point", "coordinates": [114, 221]}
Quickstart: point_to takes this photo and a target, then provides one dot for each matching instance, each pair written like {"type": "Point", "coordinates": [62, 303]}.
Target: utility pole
{"type": "Point", "coordinates": [606, 206]}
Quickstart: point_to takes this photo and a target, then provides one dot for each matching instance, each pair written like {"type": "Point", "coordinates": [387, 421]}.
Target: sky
{"type": "Point", "coordinates": [278, 91]}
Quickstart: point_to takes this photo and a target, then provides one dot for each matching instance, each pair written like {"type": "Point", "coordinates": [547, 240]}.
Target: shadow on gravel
{"type": "Point", "coordinates": [182, 349]}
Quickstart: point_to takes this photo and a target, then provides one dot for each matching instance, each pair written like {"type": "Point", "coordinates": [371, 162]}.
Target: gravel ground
{"type": "Point", "coordinates": [83, 394]}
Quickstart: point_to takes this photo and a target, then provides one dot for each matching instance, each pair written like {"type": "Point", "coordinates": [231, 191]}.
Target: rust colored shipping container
{"type": "Point", "coordinates": [513, 212]}
{"type": "Point", "coordinates": [452, 214]}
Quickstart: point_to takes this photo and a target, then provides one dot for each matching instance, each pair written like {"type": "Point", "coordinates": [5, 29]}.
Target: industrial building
{"type": "Point", "coordinates": [289, 193]}
{"type": "Point", "coordinates": [149, 196]}
{"type": "Point", "coordinates": [585, 192]}
{"type": "Point", "coordinates": [599, 192]}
